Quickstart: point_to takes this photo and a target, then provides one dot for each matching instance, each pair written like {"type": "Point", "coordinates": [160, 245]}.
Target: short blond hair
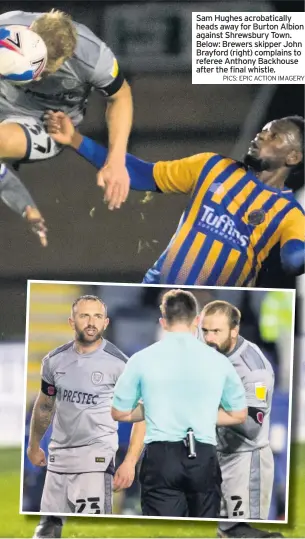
{"type": "Point", "coordinates": [57, 30]}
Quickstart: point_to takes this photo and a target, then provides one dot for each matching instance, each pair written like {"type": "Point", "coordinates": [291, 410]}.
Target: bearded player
{"type": "Point", "coordinates": [78, 62]}
{"type": "Point", "coordinates": [77, 384]}
{"type": "Point", "coordinates": [244, 452]}
{"type": "Point", "coordinates": [237, 212]}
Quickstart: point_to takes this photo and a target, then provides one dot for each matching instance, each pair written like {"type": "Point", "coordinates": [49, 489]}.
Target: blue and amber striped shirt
{"type": "Point", "coordinates": [229, 226]}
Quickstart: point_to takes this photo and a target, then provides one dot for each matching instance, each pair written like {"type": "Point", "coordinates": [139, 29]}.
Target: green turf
{"type": "Point", "coordinates": [14, 525]}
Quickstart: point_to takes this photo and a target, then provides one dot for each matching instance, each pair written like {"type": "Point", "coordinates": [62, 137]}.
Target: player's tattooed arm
{"type": "Point", "coordinates": [41, 418]}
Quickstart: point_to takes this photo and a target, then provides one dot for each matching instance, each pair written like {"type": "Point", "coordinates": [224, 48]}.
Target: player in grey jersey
{"type": "Point", "coordinates": [77, 385]}
{"type": "Point", "coordinates": [244, 453]}
{"type": "Point", "coordinates": [78, 62]}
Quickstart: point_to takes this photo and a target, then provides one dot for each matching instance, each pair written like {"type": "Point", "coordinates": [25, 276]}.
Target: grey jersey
{"type": "Point", "coordinates": [84, 435]}
{"type": "Point", "coordinates": [92, 65]}
{"type": "Point", "coordinates": [257, 376]}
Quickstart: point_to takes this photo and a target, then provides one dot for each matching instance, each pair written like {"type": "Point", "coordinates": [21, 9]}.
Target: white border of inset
{"type": "Point", "coordinates": [193, 288]}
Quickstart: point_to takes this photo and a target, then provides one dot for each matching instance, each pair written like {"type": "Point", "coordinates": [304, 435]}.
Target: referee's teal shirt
{"type": "Point", "coordinates": [182, 382]}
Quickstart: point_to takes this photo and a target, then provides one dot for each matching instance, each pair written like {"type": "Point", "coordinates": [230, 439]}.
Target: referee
{"type": "Point", "coordinates": [178, 385]}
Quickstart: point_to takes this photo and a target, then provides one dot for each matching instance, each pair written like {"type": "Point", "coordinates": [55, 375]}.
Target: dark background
{"type": "Point", "coordinates": [173, 119]}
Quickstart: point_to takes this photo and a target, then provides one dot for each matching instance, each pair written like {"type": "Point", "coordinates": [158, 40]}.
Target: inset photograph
{"type": "Point", "coordinates": [145, 401]}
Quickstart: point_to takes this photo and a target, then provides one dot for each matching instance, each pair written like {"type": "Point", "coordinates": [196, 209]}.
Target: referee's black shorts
{"type": "Point", "coordinates": [172, 485]}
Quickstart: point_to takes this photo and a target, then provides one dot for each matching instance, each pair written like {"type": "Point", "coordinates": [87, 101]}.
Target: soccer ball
{"type": "Point", "coordinates": [23, 54]}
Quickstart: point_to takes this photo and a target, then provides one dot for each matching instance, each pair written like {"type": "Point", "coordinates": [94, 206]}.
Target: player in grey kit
{"type": "Point", "coordinates": [244, 452]}
{"type": "Point", "coordinates": [77, 384]}
{"type": "Point", "coordinates": [78, 62]}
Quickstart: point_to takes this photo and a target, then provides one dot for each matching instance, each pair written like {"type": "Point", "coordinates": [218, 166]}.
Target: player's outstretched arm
{"type": "Point", "coordinates": [62, 131]}
{"type": "Point", "coordinates": [15, 195]}
{"type": "Point", "coordinates": [41, 419]}
{"type": "Point", "coordinates": [141, 173]}
{"type": "Point", "coordinates": [178, 176]}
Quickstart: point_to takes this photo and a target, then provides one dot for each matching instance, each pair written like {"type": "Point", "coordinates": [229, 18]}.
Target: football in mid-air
{"type": "Point", "coordinates": [23, 54]}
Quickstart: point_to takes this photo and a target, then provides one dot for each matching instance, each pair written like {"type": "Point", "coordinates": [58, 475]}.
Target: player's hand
{"type": "Point", "coordinates": [59, 127]}
{"type": "Point", "coordinates": [37, 224]}
{"type": "Point", "coordinates": [114, 179]}
{"type": "Point", "coordinates": [37, 456]}
{"type": "Point", "coordinates": [124, 476]}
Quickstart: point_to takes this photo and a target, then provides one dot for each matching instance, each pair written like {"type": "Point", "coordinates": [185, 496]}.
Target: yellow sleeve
{"type": "Point", "coordinates": [293, 226]}
{"type": "Point", "coordinates": [180, 176]}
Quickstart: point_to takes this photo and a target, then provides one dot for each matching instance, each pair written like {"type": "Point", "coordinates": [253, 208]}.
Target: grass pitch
{"type": "Point", "coordinates": [14, 525]}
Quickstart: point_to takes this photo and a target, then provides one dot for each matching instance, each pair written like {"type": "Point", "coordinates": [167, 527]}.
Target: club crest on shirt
{"type": "Point", "coordinates": [97, 378]}
{"type": "Point", "coordinates": [69, 83]}
{"type": "Point", "coordinates": [256, 217]}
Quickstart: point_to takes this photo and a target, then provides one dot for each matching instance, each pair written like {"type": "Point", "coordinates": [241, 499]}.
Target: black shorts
{"type": "Point", "coordinates": [172, 485]}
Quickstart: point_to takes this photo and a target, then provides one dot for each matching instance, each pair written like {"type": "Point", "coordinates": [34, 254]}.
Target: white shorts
{"type": "Point", "coordinates": [247, 482]}
{"type": "Point", "coordinates": [87, 493]}
{"type": "Point", "coordinates": [39, 143]}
